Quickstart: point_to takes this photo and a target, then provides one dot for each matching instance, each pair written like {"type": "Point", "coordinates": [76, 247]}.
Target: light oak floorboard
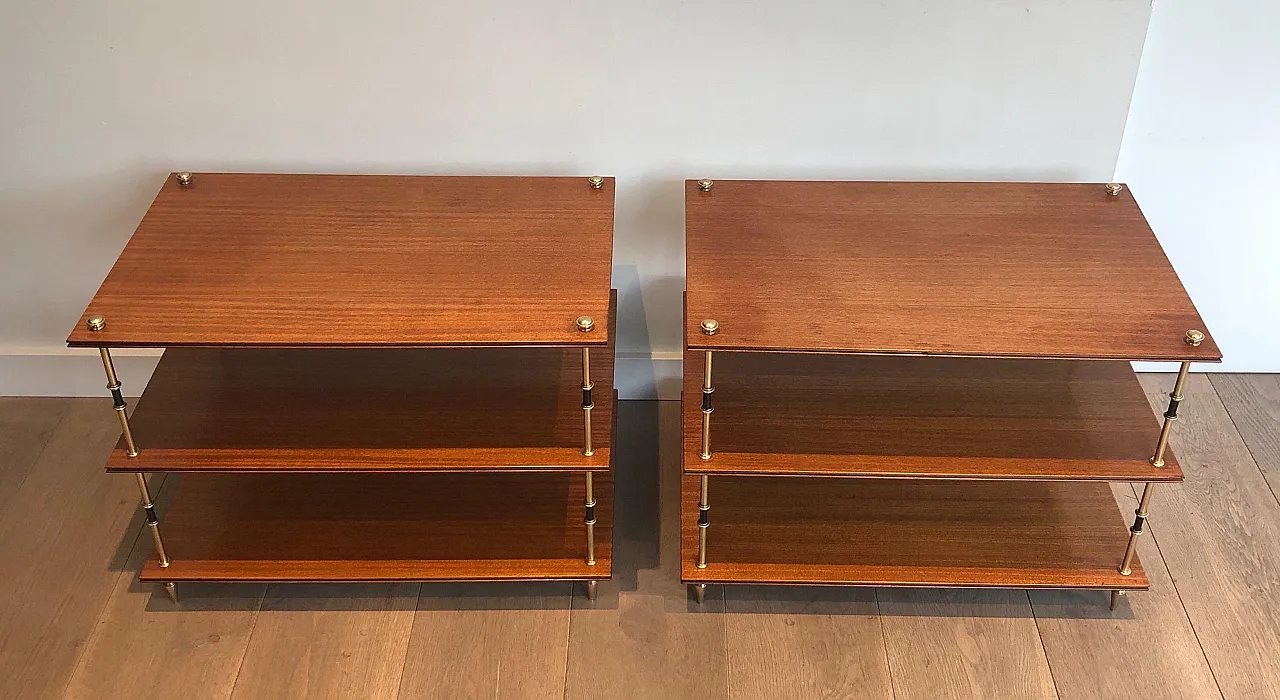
{"type": "Point", "coordinates": [961, 643]}
{"type": "Point", "coordinates": [499, 641]}
{"type": "Point", "coordinates": [1253, 402]}
{"type": "Point", "coordinates": [1219, 533]}
{"type": "Point", "coordinates": [64, 538]}
{"type": "Point", "coordinates": [144, 646]}
{"type": "Point", "coordinates": [319, 641]}
{"type": "Point", "coordinates": [805, 643]}
{"type": "Point", "coordinates": [645, 637]}
{"type": "Point", "coordinates": [26, 425]}
{"type": "Point", "coordinates": [1143, 650]}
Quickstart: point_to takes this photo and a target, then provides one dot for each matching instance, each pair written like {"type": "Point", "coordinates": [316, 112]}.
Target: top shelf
{"type": "Point", "coordinates": [260, 260]}
{"type": "Point", "coordinates": [961, 269]}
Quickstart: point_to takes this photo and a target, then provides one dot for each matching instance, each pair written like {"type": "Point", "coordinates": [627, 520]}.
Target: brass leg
{"type": "Point", "coordinates": [699, 592]}
{"type": "Point", "coordinates": [591, 523]}
{"type": "Point", "coordinates": [707, 390]}
{"type": "Point", "coordinates": [1139, 523]}
{"type": "Point", "coordinates": [172, 589]}
{"type": "Point", "coordinates": [704, 521]}
{"type": "Point", "coordinates": [113, 384]}
{"type": "Point", "coordinates": [587, 403]}
{"type": "Point", "coordinates": [591, 590]}
{"type": "Point", "coordinates": [1115, 598]}
{"type": "Point", "coordinates": [1171, 415]}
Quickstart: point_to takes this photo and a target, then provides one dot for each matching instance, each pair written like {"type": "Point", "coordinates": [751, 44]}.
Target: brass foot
{"type": "Point", "coordinates": [591, 590]}
{"type": "Point", "coordinates": [1115, 599]}
{"type": "Point", "coordinates": [172, 589]}
{"type": "Point", "coordinates": [699, 592]}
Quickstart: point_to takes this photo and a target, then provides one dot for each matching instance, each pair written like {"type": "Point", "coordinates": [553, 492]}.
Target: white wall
{"type": "Point", "coordinates": [1202, 153]}
{"type": "Point", "coordinates": [99, 100]}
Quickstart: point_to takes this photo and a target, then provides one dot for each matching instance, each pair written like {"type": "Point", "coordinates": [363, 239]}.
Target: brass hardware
{"type": "Point", "coordinates": [96, 322]}
{"type": "Point", "coordinates": [1114, 189]}
{"type": "Point", "coordinates": [1194, 337]}
{"type": "Point", "coordinates": [1139, 524]}
{"type": "Point", "coordinates": [1175, 399]}
{"type": "Point", "coordinates": [591, 590]}
{"type": "Point", "coordinates": [707, 391]}
{"type": "Point", "coordinates": [172, 589]}
{"type": "Point", "coordinates": [153, 523]}
{"type": "Point", "coordinates": [699, 592]}
{"type": "Point", "coordinates": [184, 179]}
{"type": "Point", "coordinates": [587, 403]}
{"type": "Point", "coordinates": [113, 384]}
{"type": "Point", "coordinates": [704, 521]}
{"type": "Point", "coordinates": [591, 523]}
{"type": "Point", "coordinates": [596, 182]}
{"type": "Point", "coordinates": [586, 324]}
{"type": "Point", "coordinates": [705, 184]}
{"type": "Point", "coordinates": [710, 326]}
{"type": "Point", "coordinates": [1115, 598]}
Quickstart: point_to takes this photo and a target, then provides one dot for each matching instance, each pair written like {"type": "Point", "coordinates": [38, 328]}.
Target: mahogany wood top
{"type": "Point", "coordinates": [922, 417]}
{"type": "Point", "coordinates": [383, 527]}
{"type": "Point", "coordinates": [361, 260]}
{"type": "Point", "coordinates": [908, 533]}
{"type": "Point", "coordinates": [942, 268]}
{"type": "Point", "coordinates": [435, 409]}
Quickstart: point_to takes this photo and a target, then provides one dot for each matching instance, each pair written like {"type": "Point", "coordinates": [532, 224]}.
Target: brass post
{"type": "Point", "coordinates": [591, 523]}
{"type": "Point", "coordinates": [1115, 598]}
{"type": "Point", "coordinates": [153, 523]}
{"type": "Point", "coordinates": [1171, 415]}
{"type": "Point", "coordinates": [113, 384]}
{"type": "Point", "coordinates": [591, 590]}
{"type": "Point", "coordinates": [1139, 522]}
{"type": "Point", "coordinates": [704, 521]}
{"type": "Point", "coordinates": [709, 327]}
{"type": "Point", "coordinates": [586, 324]}
{"type": "Point", "coordinates": [699, 592]}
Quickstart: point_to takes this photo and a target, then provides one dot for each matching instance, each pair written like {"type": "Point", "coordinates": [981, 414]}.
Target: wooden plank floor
{"type": "Point", "coordinates": [75, 623]}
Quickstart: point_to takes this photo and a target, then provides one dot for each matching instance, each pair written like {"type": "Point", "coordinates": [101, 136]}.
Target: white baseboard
{"type": "Point", "coordinates": [54, 371]}
{"type": "Point", "coordinates": [45, 371]}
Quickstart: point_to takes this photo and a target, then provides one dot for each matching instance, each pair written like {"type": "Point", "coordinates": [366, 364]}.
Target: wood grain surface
{"type": "Point", "coordinates": [915, 417]}
{"type": "Point", "coordinates": [437, 409]}
{"type": "Point", "coordinates": [385, 260]}
{"type": "Point", "coordinates": [382, 527]}
{"type": "Point", "coordinates": [908, 533]}
{"type": "Point", "coordinates": [943, 268]}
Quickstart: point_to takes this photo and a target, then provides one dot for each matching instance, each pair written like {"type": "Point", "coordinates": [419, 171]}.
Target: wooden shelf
{"type": "Point", "coordinates": [994, 269]}
{"type": "Point", "coordinates": [361, 260]}
{"type": "Point", "coordinates": [914, 417]}
{"type": "Point", "coordinates": [371, 410]}
{"type": "Point", "coordinates": [383, 527]}
{"type": "Point", "coordinates": [908, 533]}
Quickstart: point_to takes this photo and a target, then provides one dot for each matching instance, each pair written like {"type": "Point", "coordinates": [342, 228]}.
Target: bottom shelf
{"type": "Point", "coordinates": [383, 527]}
{"type": "Point", "coordinates": [891, 532]}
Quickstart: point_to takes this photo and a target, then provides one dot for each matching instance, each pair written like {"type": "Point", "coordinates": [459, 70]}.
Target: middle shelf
{"type": "Point", "coordinates": [780, 414]}
{"type": "Point", "coordinates": [371, 410]}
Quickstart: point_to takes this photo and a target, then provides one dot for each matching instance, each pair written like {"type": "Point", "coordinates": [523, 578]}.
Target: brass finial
{"type": "Point", "coordinates": [1194, 337]}
{"type": "Point", "coordinates": [586, 324]}
{"type": "Point", "coordinates": [705, 184]}
{"type": "Point", "coordinates": [97, 322]}
{"type": "Point", "coordinates": [1114, 189]}
{"type": "Point", "coordinates": [596, 182]}
{"type": "Point", "coordinates": [710, 326]}
{"type": "Point", "coordinates": [184, 179]}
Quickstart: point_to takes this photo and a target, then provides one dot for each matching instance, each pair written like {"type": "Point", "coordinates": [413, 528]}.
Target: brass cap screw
{"type": "Point", "coordinates": [705, 184]}
{"type": "Point", "coordinates": [586, 324]}
{"type": "Point", "coordinates": [184, 179]}
{"type": "Point", "coordinates": [96, 322]}
{"type": "Point", "coordinates": [1114, 189]}
{"type": "Point", "coordinates": [710, 326]}
{"type": "Point", "coordinates": [1194, 337]}
{"type": "Point", "coordinates": [596, 182]}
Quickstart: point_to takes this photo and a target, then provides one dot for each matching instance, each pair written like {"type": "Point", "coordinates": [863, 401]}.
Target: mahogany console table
{"type": "Point", "coordinates": [370, 378]}
{"type": "Point", "coordinates": [923, 384]}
